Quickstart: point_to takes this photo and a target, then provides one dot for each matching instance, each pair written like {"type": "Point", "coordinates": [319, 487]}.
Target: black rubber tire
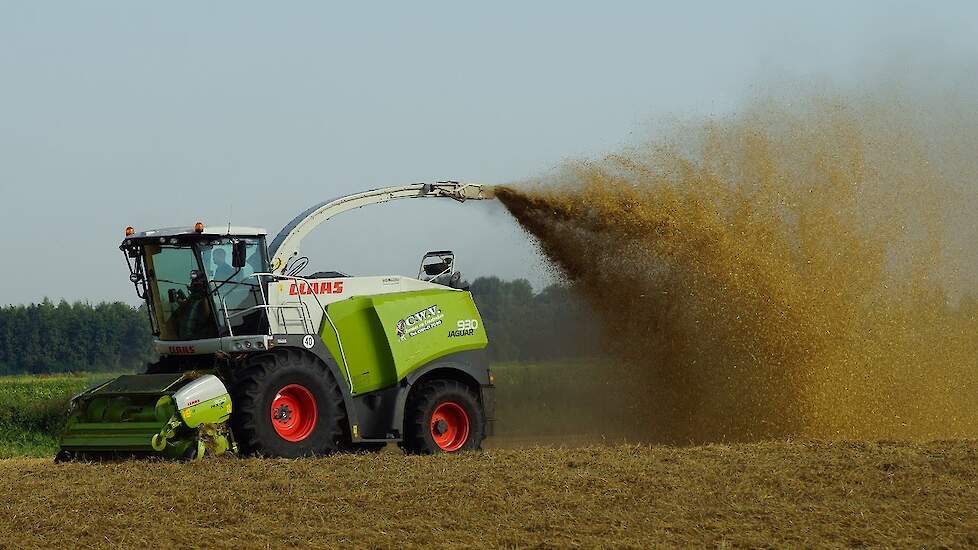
{"type": "Point", "coordinates": [263, 375]}
{"type": "Point", "coordinates": [422, 403]}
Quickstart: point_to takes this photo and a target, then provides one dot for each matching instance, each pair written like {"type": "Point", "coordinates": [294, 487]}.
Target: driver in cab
{"type": "Point", "coordinates": [222, 270]}
{"type": "Point", "coordinates": [232, 283]}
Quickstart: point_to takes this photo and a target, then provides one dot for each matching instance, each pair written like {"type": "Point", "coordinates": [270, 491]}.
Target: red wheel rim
{"type": "Point", "coordinates": [449, 426]}
{"type": "Point", "coordinates": [294, 413]}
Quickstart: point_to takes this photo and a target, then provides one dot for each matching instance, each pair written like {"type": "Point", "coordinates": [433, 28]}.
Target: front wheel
{"type": "Point", "coordinates": [287, 404]}
{"type": "Point", "coordinates": [443, 416]}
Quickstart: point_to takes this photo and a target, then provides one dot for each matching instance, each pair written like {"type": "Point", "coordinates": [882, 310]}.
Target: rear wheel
{"type": "Point", "coordinates": [443, 416]}
{"type": "Point", "coordinates": [287, 404]}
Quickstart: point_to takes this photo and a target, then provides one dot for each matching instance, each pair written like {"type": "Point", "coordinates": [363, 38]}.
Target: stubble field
{"type": "Point", "coordinates": [797, 494]}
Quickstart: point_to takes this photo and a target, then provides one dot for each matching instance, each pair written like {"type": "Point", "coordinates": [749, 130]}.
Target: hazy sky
{"type": "Point", "coordinates": [132, 113]}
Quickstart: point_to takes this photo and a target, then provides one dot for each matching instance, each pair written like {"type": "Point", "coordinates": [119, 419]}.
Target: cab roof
{"type": "Point", "coordinates": [209, 231]}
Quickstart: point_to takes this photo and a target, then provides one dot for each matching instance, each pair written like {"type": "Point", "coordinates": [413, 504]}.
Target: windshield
{"type": "Point", "coordinates": [234, 290]}
{"type": "Point", "coordinates": [178, 293]}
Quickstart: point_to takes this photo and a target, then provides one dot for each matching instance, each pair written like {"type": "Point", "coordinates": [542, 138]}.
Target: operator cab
{"type": "Point", "coordinates": [199, 284]}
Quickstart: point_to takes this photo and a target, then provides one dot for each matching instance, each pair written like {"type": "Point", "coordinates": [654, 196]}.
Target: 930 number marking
{"type": "Point", "coordinates": [464, 327]}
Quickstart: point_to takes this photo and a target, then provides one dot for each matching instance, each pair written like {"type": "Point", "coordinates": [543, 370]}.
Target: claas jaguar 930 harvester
{"type": "Point", "coordinates": [258, 359]}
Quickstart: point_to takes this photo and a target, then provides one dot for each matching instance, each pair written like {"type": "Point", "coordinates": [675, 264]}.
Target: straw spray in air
{"type": "Point", "coordinates": [779, 273]}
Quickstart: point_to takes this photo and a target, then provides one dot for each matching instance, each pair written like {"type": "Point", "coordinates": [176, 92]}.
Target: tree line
{"type": "Point", "coordinates": [72, 337]}
{"type": "Point", "coordinates": [47, 338]}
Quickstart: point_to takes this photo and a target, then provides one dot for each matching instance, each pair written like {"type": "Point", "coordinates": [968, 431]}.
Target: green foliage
{"type": "Point", "coordinates": [32, 411]}
{"type": "Point", "coordinates": [46, 338]}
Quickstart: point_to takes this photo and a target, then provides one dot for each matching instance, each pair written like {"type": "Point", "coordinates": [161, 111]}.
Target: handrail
{"type": "Point", "coordinates": [303, 309]}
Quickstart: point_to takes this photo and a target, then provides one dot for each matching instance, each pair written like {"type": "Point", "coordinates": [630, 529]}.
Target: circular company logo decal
{"type": "Point", "coordinates": [308, 341]}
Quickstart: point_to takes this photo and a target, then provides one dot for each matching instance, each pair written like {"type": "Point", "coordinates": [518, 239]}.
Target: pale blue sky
{"type": "Point", "coordinates": [118, 113]}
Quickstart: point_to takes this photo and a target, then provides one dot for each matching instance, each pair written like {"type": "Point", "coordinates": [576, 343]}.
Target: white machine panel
{"type": "Point", "coordinates": [309, 294]}
{"type": "Point", "coordinates": [202, 389]}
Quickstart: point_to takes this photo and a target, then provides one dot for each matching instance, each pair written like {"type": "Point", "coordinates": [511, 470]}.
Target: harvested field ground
{"type": "Point", "coordinates": [778, 493]}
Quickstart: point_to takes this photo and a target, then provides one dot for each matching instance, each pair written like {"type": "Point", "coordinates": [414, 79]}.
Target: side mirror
{"type": "Point", "coordinates": [436, 264]}
{"type": "Point", "coordinates": [239, 254]}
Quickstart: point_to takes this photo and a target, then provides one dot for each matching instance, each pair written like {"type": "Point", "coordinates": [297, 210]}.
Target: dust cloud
{"type": "Point", "coordinates": [789, 271]}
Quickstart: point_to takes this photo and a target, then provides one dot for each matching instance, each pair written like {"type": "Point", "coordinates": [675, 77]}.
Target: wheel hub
{"type": "Point", "coordinates": [449, 426]}
{"type": "Point", "coordinates": [440, 427]}
{"type": "Point", "coordinates": [282, 413]}
{"type": "Point", "coordinates": [293, 413]}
